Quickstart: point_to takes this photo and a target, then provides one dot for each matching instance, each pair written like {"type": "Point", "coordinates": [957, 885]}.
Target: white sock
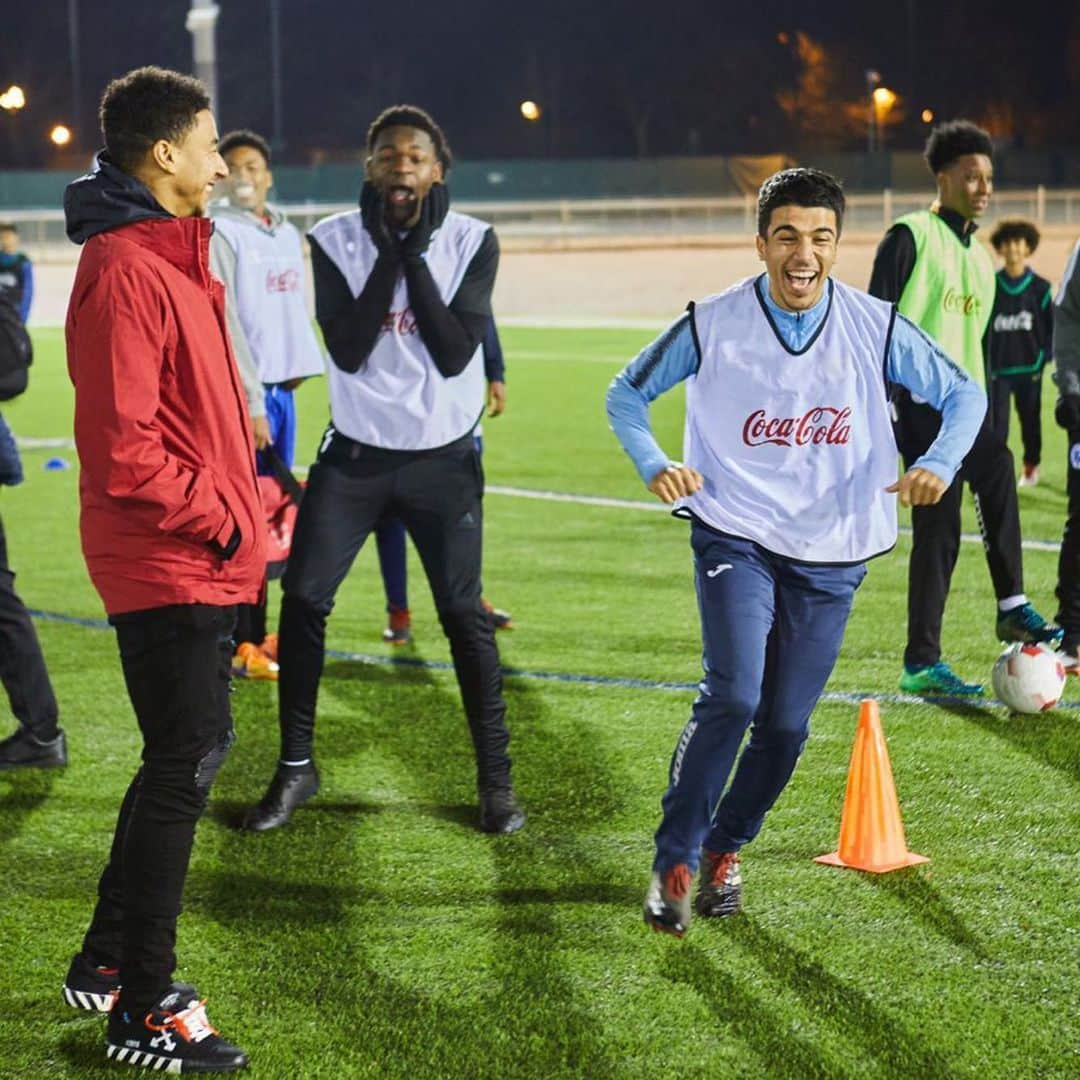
{"type": "Point", "coordinates": [1011, 602]}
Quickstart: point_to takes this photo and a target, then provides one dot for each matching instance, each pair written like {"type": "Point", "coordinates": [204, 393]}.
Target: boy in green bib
{"type": "Point", "coordinates": [930, 265]}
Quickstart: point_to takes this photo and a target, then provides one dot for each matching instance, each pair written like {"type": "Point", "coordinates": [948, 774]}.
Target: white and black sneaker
{"type": "Point", "coordinates": [90, 986]}
{"type": "Point", "coordinates": [719, 885]}
{"type": "Point", "coordinates": [174, 1036]}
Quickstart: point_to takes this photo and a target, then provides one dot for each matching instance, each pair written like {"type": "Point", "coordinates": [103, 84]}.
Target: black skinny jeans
{"type": "Point", "coordinates": [176, 664]}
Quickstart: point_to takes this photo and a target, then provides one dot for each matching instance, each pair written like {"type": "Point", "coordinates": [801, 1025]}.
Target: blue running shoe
{"type": "Point", "coordinates": [1024, 623]}
{"type": "Point", "coordinates": [937, 678]}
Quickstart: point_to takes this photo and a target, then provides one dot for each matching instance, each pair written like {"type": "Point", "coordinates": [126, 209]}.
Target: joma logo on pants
{"type": "Point", "coordinates": [680, 750]}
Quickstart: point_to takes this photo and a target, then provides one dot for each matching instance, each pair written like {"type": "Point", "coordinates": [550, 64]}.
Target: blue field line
{"type": "Point", "coordinates": [606, 681]}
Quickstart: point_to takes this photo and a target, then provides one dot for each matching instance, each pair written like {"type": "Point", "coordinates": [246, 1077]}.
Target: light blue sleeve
{"type": "Point", "coordinates": [917, 363]}
{"type": "Point", "coordinates": [672, 357]}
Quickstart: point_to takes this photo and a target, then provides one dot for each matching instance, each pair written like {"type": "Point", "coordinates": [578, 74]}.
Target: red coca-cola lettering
{"type": "Point", "coordinates": [286, 281]}
{"type": "Point", "coordinates": [402, 322]}
{"type": "Point", "coordinates": [821, 425]}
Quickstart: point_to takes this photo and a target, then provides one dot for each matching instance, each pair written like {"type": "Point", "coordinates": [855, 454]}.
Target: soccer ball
{"type": "Point", "coordinates": [1028, 678]}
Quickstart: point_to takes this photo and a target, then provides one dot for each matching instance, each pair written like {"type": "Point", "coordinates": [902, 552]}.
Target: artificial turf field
{"type": "Point", "coordinates": [380, 934]}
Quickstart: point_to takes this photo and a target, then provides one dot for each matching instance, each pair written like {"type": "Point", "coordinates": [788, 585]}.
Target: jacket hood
{"type": "Point", "coordinates": [106, 198]}
{"type": "Point", "coordinates": [223, 208]}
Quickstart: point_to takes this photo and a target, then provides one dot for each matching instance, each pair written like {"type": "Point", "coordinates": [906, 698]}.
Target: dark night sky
{"type": "Point", "coordinates": [614, 78]}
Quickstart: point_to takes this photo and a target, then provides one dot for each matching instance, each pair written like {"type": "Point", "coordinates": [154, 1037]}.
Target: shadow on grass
{"type": "Point", "coordinates": [571, 786]}
{"type": "Point", "coordinates": [862, 1022]}
{"type": "Point", "coordinates": [248, 897]}
{"type": "Point", "coordinates": [231, 813]}
{"type": "Point", "coordinates": [26, 791]}
{"type": "Point", "coordinates": [414, 718]}
{"type": "Point", "coordinates": [746, 1016]}
{"type": "Point", "coordinates": [85, 1050]}
{"type": "Point", "coordinates": [1048, 737]}
{"type": "Point", "coordinates": [924, 903]}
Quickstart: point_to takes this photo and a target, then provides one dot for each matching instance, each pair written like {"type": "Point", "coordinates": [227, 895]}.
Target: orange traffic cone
{"type": "Point", "coordinates": [871, 832]}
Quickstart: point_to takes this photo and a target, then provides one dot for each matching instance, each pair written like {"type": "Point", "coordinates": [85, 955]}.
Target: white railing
{"type": "Point", "coordinates": [573, 222]}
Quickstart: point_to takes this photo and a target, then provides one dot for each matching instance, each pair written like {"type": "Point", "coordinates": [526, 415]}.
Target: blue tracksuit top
{"type": "Point", "coordinates": [915, 361]}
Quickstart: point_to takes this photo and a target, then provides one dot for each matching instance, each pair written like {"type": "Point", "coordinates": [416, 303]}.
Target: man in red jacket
{"type": "Point", "coordinates": [171, 529]}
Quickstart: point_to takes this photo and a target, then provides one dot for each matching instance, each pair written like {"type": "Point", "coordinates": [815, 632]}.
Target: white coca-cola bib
{"type": "Point", "coordinates": [796, 448]}
{"type": "Point", "coordinates": [398, 399]}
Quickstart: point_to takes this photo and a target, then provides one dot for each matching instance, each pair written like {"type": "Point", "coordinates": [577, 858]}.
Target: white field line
{"type": "Point", "coordinates": [559, 496]}
{"type": "Point", "coordinates": [635, 504]}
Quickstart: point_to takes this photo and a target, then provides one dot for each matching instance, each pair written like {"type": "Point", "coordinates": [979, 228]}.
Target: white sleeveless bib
{"type": "Point", "coordinates": [796, 449]}
{"type": "Point", "coordinates": [398, 399]}
{"type": "Point", "coordinates": [270, 299]}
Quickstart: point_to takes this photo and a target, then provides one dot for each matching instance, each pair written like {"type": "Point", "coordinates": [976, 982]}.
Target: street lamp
{"type": "Point", "coordinates": [12, 99]}
{"type": "Point", "coordinates": [884, 99]}
{"type": "Point", "coordinates": [531, 111]}
{"type": "Point", "coordinates": [60, 135]}
{"type": "Point", "coordinates": [872, 79]}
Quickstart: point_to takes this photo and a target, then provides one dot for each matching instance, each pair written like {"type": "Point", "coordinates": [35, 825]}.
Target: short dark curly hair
{"type": "Point", "coordinates": [799, 187]}
{"type": "Point", "coordinates": [415, 117]}
{"type": "Point", "coordinates": [244, 137]}
{"type": "Point", "coordinates": [1015, 230]}
{"type": "Point", "coordinates": [145, 105]}
{"type": "Point", "coordinates": [953, 140]}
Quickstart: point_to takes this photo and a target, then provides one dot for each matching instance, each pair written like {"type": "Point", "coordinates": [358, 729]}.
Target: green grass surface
{"type": "Point", "coordinates": [381, 935]}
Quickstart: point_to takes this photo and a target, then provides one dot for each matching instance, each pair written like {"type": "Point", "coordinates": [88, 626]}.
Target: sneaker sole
{"type": "Point", "coordinates": [84, 999]}
{"type": "Point", "coordinates": [661, 927]}
{"type": "Point", "coordinates": [717, 908]}
{"type": "Point", "coordinates": [144, 1059]}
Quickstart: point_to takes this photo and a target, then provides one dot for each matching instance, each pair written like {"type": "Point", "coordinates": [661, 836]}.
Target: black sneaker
{"type": "Point", "coordinates": [174, 1036]}
{"type": "Point", "coordinates": [501, 620]}
{"type": "Point", "coordinates": [89, 986]}
{"type": "Point", "coordinates": [719, 885]}
{"type": "Point", "coordinates": [291, 787]}
{"type": "Point", "coordinates": [500, 812]}
{"type": "Point", "coordinates": [23, 751]}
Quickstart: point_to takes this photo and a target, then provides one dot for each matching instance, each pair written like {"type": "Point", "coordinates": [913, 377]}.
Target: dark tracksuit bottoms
{"type": "Point", "coordinates": [438, 495]}
{"type": "Point", "coordinates": [988, 469]}
{"type": "Point", "coordinates": [771, 632]}
{"type": "Point", "coordinates": [22, 665]}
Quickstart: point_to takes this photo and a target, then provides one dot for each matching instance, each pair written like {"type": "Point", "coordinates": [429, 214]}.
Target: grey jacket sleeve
{"type": "Point", "coordinates": [1067, 327]}
{"type": "Point", "coordinates": [223, 266]}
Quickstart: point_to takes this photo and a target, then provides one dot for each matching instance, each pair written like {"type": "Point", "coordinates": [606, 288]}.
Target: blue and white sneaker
{"type": "Point", "coordinates": [1025, 624]}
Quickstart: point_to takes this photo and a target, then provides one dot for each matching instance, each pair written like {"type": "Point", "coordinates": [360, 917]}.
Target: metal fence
{"type": "Point", "coordinates": [607, 222]}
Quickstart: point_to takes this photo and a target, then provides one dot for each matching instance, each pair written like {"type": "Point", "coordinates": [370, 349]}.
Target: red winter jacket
{"type": "Point", "coordinates": [161, 424]}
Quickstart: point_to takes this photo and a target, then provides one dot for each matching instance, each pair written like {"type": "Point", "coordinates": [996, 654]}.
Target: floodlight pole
{"type": "Point", "coordinates": [76, 68]}
{"type": "Point", "coordinates": [278, 141]}
{"type": "Point", "coordinates": [201, 20]}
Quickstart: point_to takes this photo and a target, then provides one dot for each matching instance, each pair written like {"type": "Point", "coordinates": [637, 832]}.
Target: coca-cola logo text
{"type": "Point", "coordinates": [820, 425]}
{"type": "Point", "coordinates": [960, 303]}
{"type": "Point", "coordinates": [403, 322]}
{"type": "Point", "coordinates": [286, 281]}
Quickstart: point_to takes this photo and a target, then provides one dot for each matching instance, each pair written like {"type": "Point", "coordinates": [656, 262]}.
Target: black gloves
{"type": "Point", "coordinates": [432, 213]}
{"type": "Point", "coordinates": [1067, 411]}
{"type": "Point", "coordinates": [415, 242]}
{"type": "Point", "coordinates": [373, 215]}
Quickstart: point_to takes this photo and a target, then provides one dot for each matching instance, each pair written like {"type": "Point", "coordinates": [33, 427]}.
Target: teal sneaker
{"type": "Point", "coordinates": [1024, 623]}
{"type": "Point", "coordinates": [937, 678]}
